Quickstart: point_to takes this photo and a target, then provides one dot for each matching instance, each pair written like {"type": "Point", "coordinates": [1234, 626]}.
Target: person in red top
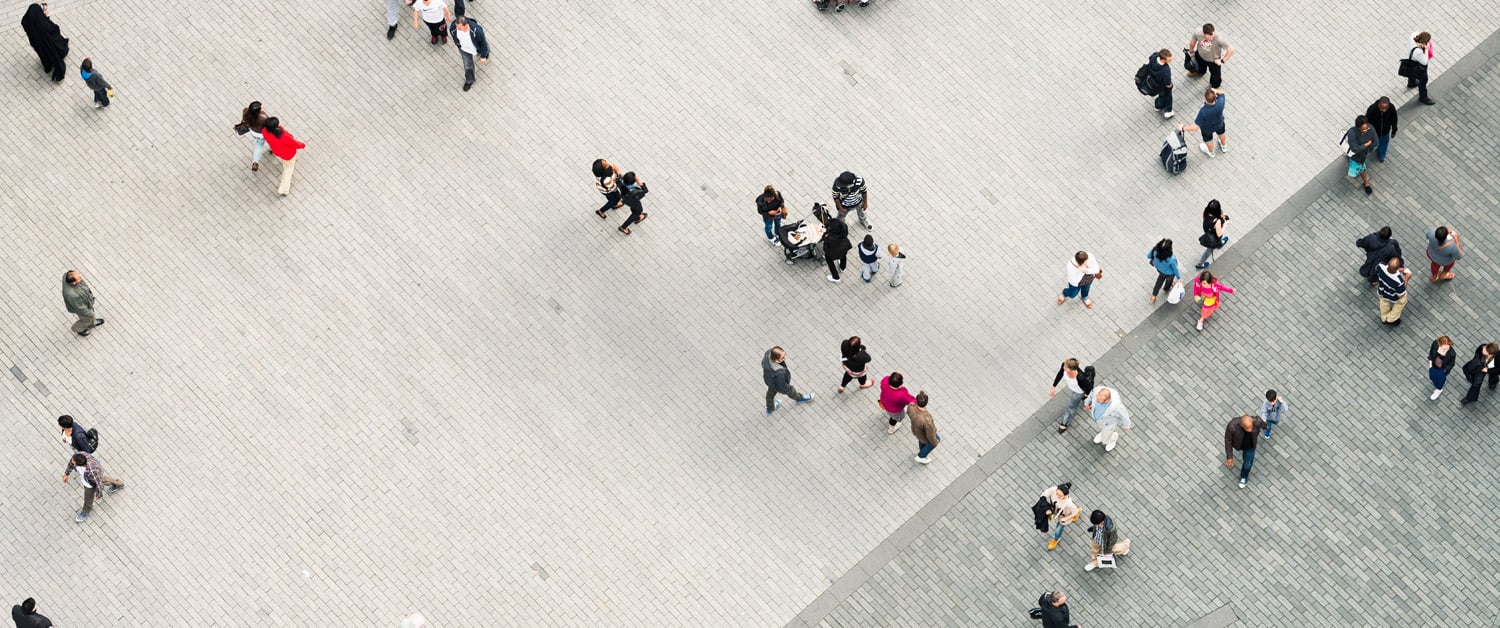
{"type": "Point", "coordinates": [285, 148]}
{"type": "Point", "coordinates": [893, 399]}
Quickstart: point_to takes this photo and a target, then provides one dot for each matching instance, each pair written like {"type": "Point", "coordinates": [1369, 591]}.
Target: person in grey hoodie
{"type": "Point", "coordinates": [103, 91]}
{"type": "Point", "coordinates": [80, 301]}
{"type": "Point", "coordinates": [778, 379]}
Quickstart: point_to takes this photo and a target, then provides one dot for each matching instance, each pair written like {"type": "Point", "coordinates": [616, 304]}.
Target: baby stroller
{"type": "Point", "coordinates": [803, 239]}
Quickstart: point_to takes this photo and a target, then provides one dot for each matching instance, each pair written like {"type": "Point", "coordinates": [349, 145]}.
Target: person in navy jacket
{"type": "Point", "coordinates": [470, 40]}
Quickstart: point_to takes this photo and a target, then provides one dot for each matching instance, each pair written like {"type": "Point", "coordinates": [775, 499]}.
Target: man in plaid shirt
{"type": "Point", "coordinates": [91, 473]}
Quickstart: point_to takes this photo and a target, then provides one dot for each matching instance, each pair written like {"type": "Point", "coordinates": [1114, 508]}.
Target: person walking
{"type": "Point", "coordinates": [1475, 370]}
{"type": "Point", "coordinates": [468, 37]}
{"type": "Point", "coordinates": [1078, 382]}
{"type": "Point", "coordinates": [1361, 139]}
{"type": "Point", "coordinates": [607, 181]}
{"type": "Point", "coordinates": [1440, 360]}
{"type": "Point", "coordinates": [1082, 272]}
{"type": "Point", "coordinates": [893, 400]}
{"type": "Point", "coordinates": [1419, 51]}
{"type": "Point", "coordinates": [1242, 433]}
{"type": "Point", "coordinates": [1378, 247]}
{"type": "Point", "coordinates": [772, 208]}
{"type": "Point", "coordinates": [433, 13]}
{"type": "Point", "coordinates": [1272, 410]}
{"type": "Point", "coordinates": [1060, 510]}
{"type": "Point", "coordinates": [1111, 415]}
{"type": "Point", "coordinates": [1382, 115]}
{"type": "Point", "coordinates": [632, 190]}
{"type": "Point", "coordinates": [1215, 223]}
{"type": "Point", "coordinates": [76, 436]}
{"type": "Point", "coordinates": [91, 475]}
{"type": "Point", "coordinates": [1167, 274]}
{"type": "Point", "coordinates": [253, 123]}
{"type": "Point", "coordinates": [923, 428]}
{"type": "Point", "coordinates": [1104, 538]}
{"type": "Point", "coordinates": [393, 15]}
{"type": "Point", "coordinates": [1054, 613]}
{"type": "Point", "coordinates": [836, 243]}
{"type": "Point", "coordinates": [1208, 291]}
{"type": "Point", "coordinates": [856, 360]}
{"type": "Point", "coordinates": [1443, 251]}
{"type": "Point", "coordinates": [1392, 291]}
{"type": "Point", "coordinates": [46, 39]}
{"type": "Point", "coordinates": [849, 193]}
{"type": "Point", "coordinates": [897, 260]}
{"type": "Point", "coordinates": [1160, 64]}
{"type": "Point", "coordinates": [1211, 50]}
{"type": "Point", "coordinates": [284, 146]}
{"type": "Point", "coordinates": [778, 379]}
{"type": "Point", "coordinates": [79, 299]}
{"type": "Point", "coordinates": [103, 91]}
{"type": "Point", "coordinates": [25, 615]}
{"type": "Point", "coordinates": [1210, 122]}
{"type": "Point", "coordinates": [869, 258]}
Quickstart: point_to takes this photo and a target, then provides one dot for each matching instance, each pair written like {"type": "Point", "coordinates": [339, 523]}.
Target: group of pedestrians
{"type": "Point", "coordinates": [1385, 268]}
{"type": "Point", "coordinates": [619, 190]}
{"type": "Point", "coordinates": [849, 195]}
{"type": "Point", "coordinates": [266, 132]}
{"type": "Point", "coordinates": [51, 48]}
{"type": "Point", "coordinates": [1057, 509]}
{"type": "Point", "coordinates": [442, 23]}
{"type": "Point", "coordinates": [1441, 357]}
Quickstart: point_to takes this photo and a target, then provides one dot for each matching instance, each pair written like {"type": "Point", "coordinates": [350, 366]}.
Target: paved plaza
{"type": "Point", "coordinates": [430, 380]}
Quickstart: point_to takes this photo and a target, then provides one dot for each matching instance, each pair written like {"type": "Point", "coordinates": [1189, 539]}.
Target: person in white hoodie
{"type": "Point", "coordinates": [1109, 412]}
{"type": "Point", "coordinates": [1083, 269]}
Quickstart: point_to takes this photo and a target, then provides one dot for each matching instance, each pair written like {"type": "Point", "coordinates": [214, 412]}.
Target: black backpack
{"type": "Point", "coordinates": [1144, 82]}
{"type": "Point", "coordinates": [636, 192]}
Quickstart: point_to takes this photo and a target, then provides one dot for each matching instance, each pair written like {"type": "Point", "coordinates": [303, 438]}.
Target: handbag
{"type": "Point", "coordinates": [1190, 62]}
{"type": "Point", "coordinates": [1410, 68]}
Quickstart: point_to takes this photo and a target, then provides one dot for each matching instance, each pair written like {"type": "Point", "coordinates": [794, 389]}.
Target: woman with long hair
{"type": "Point", "coordinates": [607, 182]}
{"type": "Point", "coordinates": [1213, 237]}
{"type": "Point", "coordinates": [1440, 361]}
{"type": "Point", "coordinates": [1165, 263]}
{"type": "Point", "coordinates": [856, 359]}
{"type": "Point", "coordinates": [253, 123]}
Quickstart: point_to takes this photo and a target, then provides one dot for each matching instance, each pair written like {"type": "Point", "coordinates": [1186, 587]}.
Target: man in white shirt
{"type": "Point", "coordinates": [470, 40]}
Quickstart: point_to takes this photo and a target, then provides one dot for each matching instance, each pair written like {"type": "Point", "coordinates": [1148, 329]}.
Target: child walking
{"type": "Point", "coordinates": [103, 91]}
{"type": "Point", "coordinates": [1208, 291]}
{"type": "Point", "coordinates": [898, 261]}
{"type": "Point", "coordinates": [869, 255]}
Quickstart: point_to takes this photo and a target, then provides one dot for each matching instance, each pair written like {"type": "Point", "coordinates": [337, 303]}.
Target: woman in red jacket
{"type": "Point", "coordinates": [285, 148]}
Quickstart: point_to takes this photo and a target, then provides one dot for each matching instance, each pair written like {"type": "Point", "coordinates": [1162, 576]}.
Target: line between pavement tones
{"type": "Point", "coordinates": [996, 457]}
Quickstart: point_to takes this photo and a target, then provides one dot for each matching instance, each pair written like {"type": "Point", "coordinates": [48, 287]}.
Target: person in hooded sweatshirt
{"type": "Point", "coordinates": [103, 91]}
{"type": "Point", "coordinates": [46, 39]}
{"type": "Point", "coordinates": [869, 256]}
{"type": "Point", "coordinates": [778, 379]}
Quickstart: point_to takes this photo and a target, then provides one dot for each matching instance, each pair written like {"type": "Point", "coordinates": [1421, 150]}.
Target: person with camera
{"type": "Point", "coordinates": [1215, 221]}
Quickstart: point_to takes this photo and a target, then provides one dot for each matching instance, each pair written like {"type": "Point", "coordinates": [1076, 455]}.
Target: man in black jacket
{"type": "Point", "coordinates": [470, 40]}
{"type": "Point", "coordinates": [1161, 74]}
{"type": "Point", "coordinates": [1054, 610]}
{"type": "Point", "coordinates": [1382, 115]}
{"type": "Point", "coordinates": [1379, 248]}
{"type": "Point", "coordinates": [26, 616]}
{"type": "Point", "coordinates": [1475, 370]}
{"type": "Point", "coordinates": [77, 436]}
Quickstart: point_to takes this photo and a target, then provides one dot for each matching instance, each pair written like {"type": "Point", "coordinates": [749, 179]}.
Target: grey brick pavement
{"type": "Point", "coordinates": [293, 387]}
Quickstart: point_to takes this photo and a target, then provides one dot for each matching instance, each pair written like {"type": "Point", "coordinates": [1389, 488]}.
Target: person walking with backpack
{"type": "Point", "coordinates": [1440, 361]}
{"type": "Point", "coordinates": [1443, 251]}
{"type": "Point", "coordinates": [1215, 222]}
{"type": "Point", "coordinates": [1211, 50]}
{"type": "Point", "coordinates": [1078, 382]}
{"type": "Point", "coordinates": [1159, 76]}
{"type": "Point", "coordinates": [1361, 140]}
{"type": "Point", "coordinates": [1208, 291]}
{"type": "Point", "coordinates": [1378, 247]}
{"type": "Point", "coordinates": [778, 379]}
{"type": "Point", "coordinates": [1392, 291]}
{"type": "Point", "coordinates": [1382, 115]}
{"type": "Point", "coordinates": [856, 360]}
{"type": "Point", "coordinates": [78, 437]}
{"type": "Point", "coordinates": [1082, 271]}
{"type": "Point", "coordinates": [772, 208]}
{"type": "Point", "coordinates": [1060, 509]}
{"type": "Point", "coordinates": [1476, 369]}
{"type": "Point", "coordinates": [632, 190]}
{"type": "Point", "coordinates": [1242, 433]}
{"type": "Point", "coordinates": [1165, 263]}
{"type": "Point", "coordinates": [1210, 122]}
{"type": "Point", "coordinates": [1419, 54]}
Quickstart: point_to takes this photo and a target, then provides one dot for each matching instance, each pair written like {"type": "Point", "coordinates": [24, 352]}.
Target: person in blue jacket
{"type": "Point", "coordinates": [1161, 74]}
{"type": "Point", "coordinates": [470, 40]}
{"type": "Point", "coordinates": [1165, 263]}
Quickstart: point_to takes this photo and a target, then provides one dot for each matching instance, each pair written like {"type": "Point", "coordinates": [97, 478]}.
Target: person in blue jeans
{"type": "Point", "coordinates": [1062, 510]}
{"type": "Point", "coordinates": [1242, 433]}
{"type": "Point", "coordinates": [1271, 410]}
{"type": "Point", "coordinates": [1082, 271]}
{"type": "Point", "coordinates": [1382, 116]}
{"type": "Point", "coordinates": [772, 209]}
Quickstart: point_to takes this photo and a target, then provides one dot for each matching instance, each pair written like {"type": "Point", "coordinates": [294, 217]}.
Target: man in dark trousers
{"type": "Point", "coordinates": [632, 190]}
{"type": "Point", "coordinates": [91, 473]}
{"type": "Point", "coordinates": [470, 40]}
{"type": "Point", "coordinates": [1161, 74]}
{"type": "Point", "coordinates": [25, 615]}
{"type": "Point", "coordinates": [77, 436]}
{"type": "Point", "coordinates": [1379, 247]}
{"type": "Point", "coordinates": [1054, 610]}
{"type": "Point", "coordinates": [1475, 370]}
{"type": "Point", "coordinates": [1242, 433]}
{"type": "Point", "coordinates": [79, 299]}
{"type": "Point", "coordinates": [1382, 115]}
{"type": "Point", "coordinates": [778, 379]}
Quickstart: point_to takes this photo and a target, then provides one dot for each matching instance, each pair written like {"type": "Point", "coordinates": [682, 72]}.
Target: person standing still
{"type": "Point", "coordinates": [1212, 50]}
{"type": "Point", "coordinates": [103, 91]}
{"type": "Point", "coordinates": [836, 243]}
{"type": "Point", "coordinates": [253, 122]}
{"type": "Point", "coordinates": [1078, 382]}
{"type": "Point", "coordinates": [91, 474]}
{"type": "Point", "coordinates": [893, 400]}
{"type": "Point", "coordinates": [1382, 115]}
{"type": "Point", "coordinates": [284, 146]}
{"type": "Point", "coordinates": [856, 360]}
{"type": "Point", "coordinates": [1392, 291]}
{"type": "Point", "coordinates": [869, 258]}
{"type": "Point", "coordinates": [923, 428]}
{"type": "Point", "coordinates": [1110, 415]}
{"type": "Point", "coordinates": [898, 264]}
{"type": "Point", "coordinates": [849, 193]}
{"type": "Point", "coordinates": [1272, 410]}
{"type": "Point", "coordinates": [772, 208]}
{"type": "Point", "coordinates": [632, 190]}
{"type": "Point", "coordinates": [1443, 251]}
{"type": "Point", "coordinates": [1215, 222]}
{"type": "Point", "coordinates": [1419, 49]}
{"type": "Point", "coordinates": [25, 615]}
{"type": "Point", "coordinates": [778, 379]}
{"type": "Point", "coordinates": [1161, 259]}
{"type": "Point", "coordinates": [469, 37]}
{"type": "Point", "coordinates": [1475, 370]}
{"type": "Point", "coordinates": [1061, 510]}
{"type": "Point", "coordinates": [1160, 64]}
{"type": "Point", "coordinates": [1378, 247]}
{"type": "Point", "coordinates": [393, 15]}
{"type": "Point", "coordinates": [1440, 361]}
{"type": "Point", "coordinates": [1082, 272]}
{"type": "Point", "coordinates": [79, 299]}
{"type": "Point", "coordinates": [1242, 433]}
{"type": "Point", "coordinates": [46, 40]}
{"type": "Point", "coordinates": [433, 13]}
{"type": "Point", "coordinates": [1361, 139]}
{"type": "Point", "coordinates": [1210, 122]}
{"type": "Point", "coordinates": [1208, 291]}
{"type": "Point", "coordinates": [1104, 538]}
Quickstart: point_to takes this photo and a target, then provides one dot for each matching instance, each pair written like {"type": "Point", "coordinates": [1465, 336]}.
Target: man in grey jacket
{"type": "Point", "coordinates": [80, 301]}
{"type": "Point", "coordinates": [778, 379]}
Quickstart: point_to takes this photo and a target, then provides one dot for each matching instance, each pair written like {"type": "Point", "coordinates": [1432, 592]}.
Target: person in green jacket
{"type": "Point", "coordinates": [80, 301]}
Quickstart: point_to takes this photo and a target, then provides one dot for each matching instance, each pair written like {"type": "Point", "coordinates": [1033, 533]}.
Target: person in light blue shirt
{"type": "Point", "coordinates": [1165, 263]}
{"type": "Point", "coordinates": [1272, 410]}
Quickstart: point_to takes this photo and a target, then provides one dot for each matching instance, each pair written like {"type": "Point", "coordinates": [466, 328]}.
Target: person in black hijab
{"type": "Point", "coordinates": [46, 39]}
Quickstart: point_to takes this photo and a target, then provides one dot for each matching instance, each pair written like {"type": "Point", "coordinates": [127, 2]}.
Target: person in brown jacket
{"type": "Point", "coordinates": [923, 428]}
{"type": "Point", "coordinates": [1242, 433]}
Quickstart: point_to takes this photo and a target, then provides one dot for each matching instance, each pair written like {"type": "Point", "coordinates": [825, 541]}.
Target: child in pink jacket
{"type": "Point", "coordinates": [1208, 291]}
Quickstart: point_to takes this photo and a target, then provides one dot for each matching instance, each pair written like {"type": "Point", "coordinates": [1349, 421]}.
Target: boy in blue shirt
{"type": "Point", "coordinates": [103, 91]}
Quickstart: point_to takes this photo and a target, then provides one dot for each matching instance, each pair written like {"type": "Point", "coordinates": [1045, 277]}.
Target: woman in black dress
{"type": "Point", "coordinates": [46, 39]}
{"type": "Point", "coordinates": [856, 359]}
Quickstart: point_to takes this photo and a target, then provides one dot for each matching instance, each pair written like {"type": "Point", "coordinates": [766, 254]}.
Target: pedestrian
{"type": "Point", "coordinates": [253, 123]}
{"type": "Point", "coordinates": [1443, 251]}
{"type": "Point", "coordinates": [856, 359]}
{"type": "Point", "coordinates": [1078, 382]}
{"type": "Point", "coordinates": [607, 181]}
{"type": "Point", "coordinates": [1111, 415]}
{"type": "Point", "coordinates": [1054, 610]}
{"type": "Point", "coordinates": [849, 193]}
{"type": "Point", "coordinates": [923, 428]}
{"type": "Point", "coordinates": [893, 400]}
{"type": "Point", "coordinates": [1272, 410]}
{"type": "Point", "coordinates": [1215, 223]}
{"type": "Point", "coordinates": [76, 436]}
{"type": "Point", "coordinates": [468, 37]}
{"type": "Point", "coordinates": [836, 243]}
{"type": "Point", "coordinates": [79, 299]}
{"type": "Point", "coordinates": [1242, 433]}
{"type": "Point", "coordinates": [1160, 65]}
{"type": "Point", "coordinates": [91, 475]}
{"type": "Point", "coordinates": [1361, 139]}
{"type": "Point", "coordinates": [433, 13]}
{"type": "Point", "coordinates": [1440, 361]}
{"type": "Point", "coordinates": [1161, 258]}
{"type": "Point", "coordinates": [1104, 538]}
{"type": "Point", "coordinates": [1210, 122]}
{"type": "Point", "coordinates": [772, 208]}
{"type": "Point", "coordinates": [25, 615]}
{"type": "Point", "coordinates": [1419, 50]}
{"type": "Point", "coordinates": [1378, 247]}
{"type": "Point", "coordinates": [1082, 272]}
{"type": "Point", "coordinates": [1060, 509]}
{"type": "Point", "coordinates": [869, 258]}
{"type": "Point", "coordinates": [632, 190]}
{"type": "Point", "coordinates": [898, 263]}
{"type": "Point", "coordinates": [393, 15]}
{"type": "Point", "coordinates": [1475, 370]}
{"type": "Point", "coordinates": [1208, 291]}
{"type": "Point", "coordinates": [1211, 50]}
{"type": "Point", "coordinates": [46, 39]}
{"type": "Point", "coordinates": [284, 146]}
{"type": "Point", "coordinates": [1392, 291]}
{"type": "Point", "coordinates": [778, 379]}
{"type": "Point", "coordinates": [1382, 115]}
{"type": "Point", "coordinates": [103, 91]}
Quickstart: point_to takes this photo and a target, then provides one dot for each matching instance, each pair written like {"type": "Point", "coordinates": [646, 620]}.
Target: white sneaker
{"type": "Point", "coordinates": [1206, 151]}
{"type": "Point", "coordinates": [1111, 446]}
{"type": "Point", "coordinates": [830, 278]}
{"type": "Point", "coordinates": [1090, 566]}
{"type": "Point", "coordinates": [1223, 148]}
{"type": "Point", "coordinates": [1167, 114]}
{"type": "Point", "coordinates": [891, 429]}
{"type": "Point", "coordinates": [1435, 394]}
{"type": "Point", "coordinates": [921, 460]}
{"type": "Point", "coordinates": [1099, 438]}
{"type": "Point", "coordinates": [1243, 483]}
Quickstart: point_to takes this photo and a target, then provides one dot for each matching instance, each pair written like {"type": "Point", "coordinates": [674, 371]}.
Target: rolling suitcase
{"type": "Point", "coordinates": [1174, 153]}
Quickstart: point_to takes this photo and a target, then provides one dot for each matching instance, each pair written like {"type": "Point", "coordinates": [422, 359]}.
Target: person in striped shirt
{"type": "Point", "coordinates": [849, 193]}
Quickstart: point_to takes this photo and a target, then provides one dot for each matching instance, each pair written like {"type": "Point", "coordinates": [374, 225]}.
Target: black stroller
{"type": "Point", "coordinates": [803, 239]}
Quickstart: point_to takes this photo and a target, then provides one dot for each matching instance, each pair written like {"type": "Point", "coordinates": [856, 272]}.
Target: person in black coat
{"type": "Point", "coordinates": [46, 39]}
{"type": "Point", "coordinates": [836, 244]}
{"type": "Point", "coordinates": [25, 615]}
{"type": "Point", "coordinates": [1382, 116]}
{"type": "Point", "coordinates": [856, 359]}
{"type": "Point", "coordinates": [1054, 610]}
{"type": "Point", "coordinates": [1475, 370]}
{"type": "Point", "coordinates": [1379, 248]}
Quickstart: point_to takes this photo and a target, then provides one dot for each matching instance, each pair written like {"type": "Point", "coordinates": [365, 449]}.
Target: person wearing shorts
{"type": "Point", "coordinates": [1210, 122]}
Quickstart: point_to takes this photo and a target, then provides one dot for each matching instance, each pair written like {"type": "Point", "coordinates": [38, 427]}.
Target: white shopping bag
{"type": "Point", "coordinates": [1175, 296]}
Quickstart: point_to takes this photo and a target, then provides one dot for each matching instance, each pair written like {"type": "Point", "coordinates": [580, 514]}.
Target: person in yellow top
{"type": "Point", "coordinates": [1063, 510]}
